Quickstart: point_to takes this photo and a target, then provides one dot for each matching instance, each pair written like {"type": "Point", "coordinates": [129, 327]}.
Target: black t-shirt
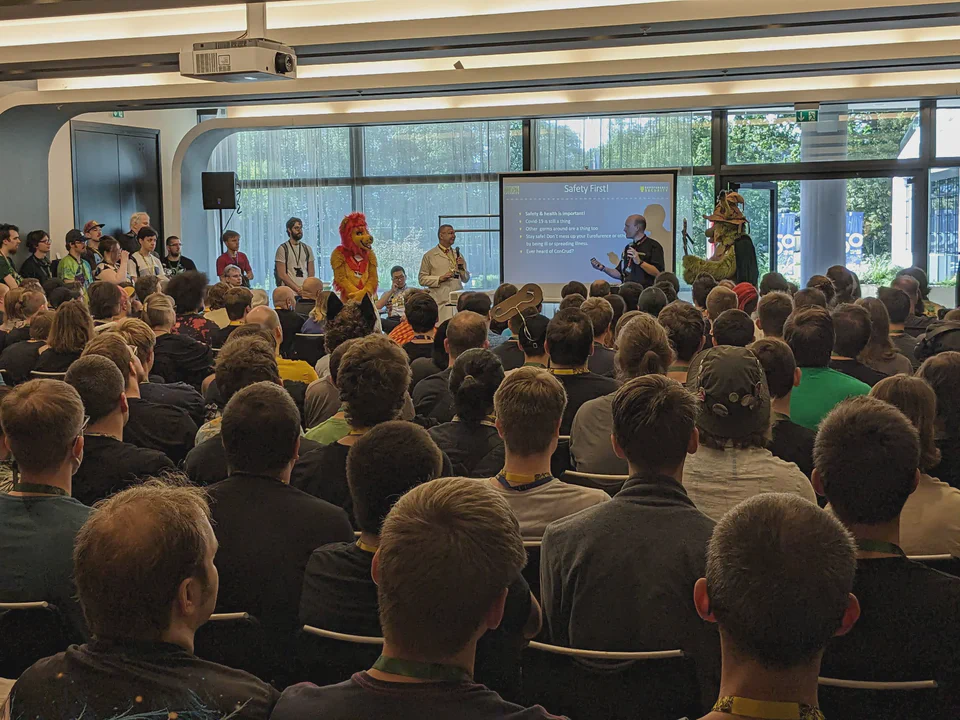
{"type": "Point", "coordinates": [20, 334]}
{"type": "Point", "coordinates": [219, 337]}
{"type": "Point", "coordinates": [109, 466]}
{"type": "Point", "coordinates": [18, 360]}
{"type": "Point", "coordinates": [180, 358]}
{"type": "Point", "coordinates": [290, 323]}
{"type": "Point", "coordinates": [581, 388]}
{"type": "Point", "coordinates": [102, 680]}
{"type": "Point", "coordinates": [601, 362]}
{"type": "Point", "coordinates": [183, 264]}
{"type": "Point", "coordinates": [856, 369]}
{"type": "Point", "coordinates": [948, 470]}
{"type": "Point", "coordinates": [909, 628]}
{"type": "Point", "coordinates": [206, 464]}
{"type": "Point", "coordinates": [793, 443]}
{"type": "Point", "coordinates": [162, 427]}
{"type": "Point", "coordinates": [267, 531]}
{"type": "Point", "coordinates": [432, 397]}
{"type": "Point", "coordinates": [129, 242]}
{"type": "Point", "coordinates": [415, 351]}
{"type": "Point", "coordinates": [51, 360]}
{"type": "Point", "coordinates": [177, 394]}
{"type": "Point", "coordinates": [650, 252]}
{"type": "Point", "coordinates": [916, 325]}
{"type": "Point", "coordinates": [33, 267]}
{"type": "Point", "coordinates": [510, 354]}
{"type": "Point", "coordinates": [474, 450]}
{"type": "Point", "coordinates": [421, 369]}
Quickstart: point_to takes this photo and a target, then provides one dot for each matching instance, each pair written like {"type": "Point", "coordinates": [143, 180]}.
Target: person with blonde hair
{"type": "Point", "coordinates": [28, 304]}
{"type": "Point", "coordinates": [643, 348]}
{"type": "Point", "coordinates": [930, 520]}
{"type": "Point", "coordinates": [316, 321]}
{"type": "Point", "coordinates": [71, 331]}
{"type": "Point", "coordinates": [177, 358]}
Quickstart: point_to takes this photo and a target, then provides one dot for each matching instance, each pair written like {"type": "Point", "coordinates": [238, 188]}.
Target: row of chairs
{"type": "Point", "coordinates": [35, 374]}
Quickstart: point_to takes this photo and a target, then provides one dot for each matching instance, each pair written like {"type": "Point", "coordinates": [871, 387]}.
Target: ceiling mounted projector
{"type": "Point", "coordinates": [238, 61]}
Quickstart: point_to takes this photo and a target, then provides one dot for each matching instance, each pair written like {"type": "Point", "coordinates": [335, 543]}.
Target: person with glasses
{"type": "Point", "coordinates": [37, 264]}
{"type": "Point", "coordinates": [39, 519]}
{"type": "Point", "coordinates": [173, 262]}
{"type": "Point", "coordinates": [73, 269]}
{"type": "Point", "coordinates": [294, 261]}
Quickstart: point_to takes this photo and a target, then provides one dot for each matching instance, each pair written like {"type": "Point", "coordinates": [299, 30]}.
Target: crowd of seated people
{"type": "Point", "coordinates": [744, 478]}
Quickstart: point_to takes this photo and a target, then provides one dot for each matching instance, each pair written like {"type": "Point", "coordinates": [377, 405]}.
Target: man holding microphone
{"type": "Point", "coordinates": [642, 258]}
{"type": "Point", "coordinates": [444, 271]}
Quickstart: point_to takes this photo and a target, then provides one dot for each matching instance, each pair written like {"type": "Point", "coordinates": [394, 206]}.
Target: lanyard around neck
{"type": "Point", "coordinates": [38, 488]}
{"type": "Point", "coordinates": [522, 483]}
{"type": "Point", "coordinates": [366, 548]}
{"type": "Point", "coordinates": [766, 709]}
{"type": "Point", "coordinates": [880, 546]}
{"type": "Point", "coordinates": [421, 671]}
{"type": "Point", "coordinates": [569, 371]}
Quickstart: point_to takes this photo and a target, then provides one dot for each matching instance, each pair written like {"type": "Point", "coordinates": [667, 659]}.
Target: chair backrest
{"type": "Point", "coordinates": [234, 639]}
{"type": "Point", "coordinates": [29, 631]}
{"type": "Point", "coordinates": [611, 685]}
{"type": "Point", "coordinates": [863, 700]}
{"type": "Point", "coordinates": [531, 571]}
{"type": "Point", "coordinates": [560, 460]}
{"type": "Point", "coordinates": [309, 348]}
{"type": "Point", "coordinates": [611, 484]}
{"type": "Point", "coordinates": [944, 563]}
{"type": "Point", "coordinates": [326, 657]}
{"type": "Point", "coordinates": [38, 375]}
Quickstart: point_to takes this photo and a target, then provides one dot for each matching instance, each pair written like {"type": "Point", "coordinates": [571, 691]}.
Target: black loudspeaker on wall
{"type": "Point", "coordinates": [219, 190]}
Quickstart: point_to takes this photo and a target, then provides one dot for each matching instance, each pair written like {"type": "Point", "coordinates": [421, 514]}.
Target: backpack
{"type": "Point", "coordinates": [941, 336]}
{"type": "Point", "coordinates": [286, 262]}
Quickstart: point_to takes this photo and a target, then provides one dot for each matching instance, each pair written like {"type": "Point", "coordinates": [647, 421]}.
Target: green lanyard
{"type": "Point", "coordinates": [38, 488]}
{"type": "Point", "coordinates": [434, 672]}
{"type": "Point", "coordinates": [880, 546]}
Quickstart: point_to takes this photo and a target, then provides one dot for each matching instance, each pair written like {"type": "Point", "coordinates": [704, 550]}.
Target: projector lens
{"type": "Point", "coordinates": [284, 63]}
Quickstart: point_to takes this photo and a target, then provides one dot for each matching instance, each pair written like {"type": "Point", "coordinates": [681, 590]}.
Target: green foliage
{"type": "Point", "coordinates": [878, 270]}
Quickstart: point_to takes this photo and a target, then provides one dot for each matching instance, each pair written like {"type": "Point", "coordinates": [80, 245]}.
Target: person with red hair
{"type": "Point", "coordinates": [747, 297]}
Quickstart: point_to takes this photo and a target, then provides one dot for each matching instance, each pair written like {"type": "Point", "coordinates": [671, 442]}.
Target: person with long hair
{"type": "Point", "coordinates": [880, 353]}
{"type": "Point", "coordinates": [113, 267]}
{"type": "Point", "coordinates": [71, 331]}
{"type": "Point", "coordinates": [317, 319]}
{"type": "Point", "coordinates": [471, 439]}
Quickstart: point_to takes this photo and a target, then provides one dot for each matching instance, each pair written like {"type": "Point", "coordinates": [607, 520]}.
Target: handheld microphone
{"type": "Point", "coordinates": [457, 251]}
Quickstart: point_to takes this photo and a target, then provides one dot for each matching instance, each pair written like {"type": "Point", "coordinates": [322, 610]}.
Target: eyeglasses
{"type": "Point", "coordinates": [83, 425]}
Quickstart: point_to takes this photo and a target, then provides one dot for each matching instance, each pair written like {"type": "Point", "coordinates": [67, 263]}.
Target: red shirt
{"type": "Point", "coordinates": [240, 261]}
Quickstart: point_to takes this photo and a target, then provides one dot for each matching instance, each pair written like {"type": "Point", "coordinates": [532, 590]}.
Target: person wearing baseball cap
{"type": "Point", "coordinates": [735, 425]}
{"type": "Point", "coordinates": [73, 269]}
{"type": "Point", "coordinates": [92, 231]}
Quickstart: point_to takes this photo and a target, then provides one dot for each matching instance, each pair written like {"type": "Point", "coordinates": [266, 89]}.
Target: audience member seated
{"type": "Point", "coordinates": [37, 263]}
{"type": "Point", "coordinates": [20, 358]}
{"type": "Point", "coordinates": [402, 333]}
{"type": "Point", "coordinates": [295, 370]}
{"type": "Point", "coordinates": [747, 297]}
{"type": "Point", "coordinates": [899, 308]}
{"type": "Point", "coordinates": [13, 313]}
{"type": "Point", "coordinates": [448, 553]}
{"type": "Point", "coordinates": [109, 464]}
{"type": "Point", "coordinates": [651, 301]}
{"type": "Point", "coordinates": [147, 581]}
{"type": "Point", "coordinates": [187, 289]}
{"type": "Point", "coordinates": [28, 305]}
{"type": "Point", "coordinates": [809, 333]}
{"type": "Point", "coordinates": [214, 301]}
{"type": "Point", "coordinates": [372, 378]}
{"type": "Point", "coordinates": [573, 301]}
{"type": "Point", "coordinates": [791, 442]}
{"type": "Point", "coordinates": [778, 581]}
{"type": "Point", "coordinates": [165, 428]}
{"type": "Point", "coordinates": [106, 304]}
{"type": "Point", "coordinates": [942, 373]}
{"type": "Point", "coordinates": [262, 572]}
{"type": "Point", "coordinates": [422, 314]}
{"type": "Point", "coordinates": [772, 312]}
{"type": "Point", "coordinates": [311, 291]}
{"type": "Point", "coordinates": [733, 462]}
{"type": "Point", "coordinates": [916, 322]}
{"type": "Point", "coordinates": [685, 328]}
{"type": "Point", "coordinates": [926, 305]}
{"type": "Point", "coordinates": [880, 353]}
{"type": "Point", "coordinates": [146, 286]}
{"type": "Point", "coordinates": [316, 321]}
{"type": "Point", "coordinates": [719, 300]}
{"type": "Point", "coordinates": [930, 520]}
{"type": "Point", "coordinates": [773, 282]}
{"type": "Point", "coordinates": [70, 331]}
{"type": "Point", "coordinates": [115, 264]}
{"type": "Point", "coordinates": [285, 303]}
{"type": "Point", "coordinates": [809, 297]}
{"type": "Point", "coordinates": [432, 397]}
{"type": "Point", "coordinates": [177, 357]}
{"type": "Point", "coordinates": [630, 292]}
{"type": "Point", "coordinates": [845, 283]}
{"type": "Point", "coordinates": [700, 290]}
{"type": "Point", "coordinates": [618, 576]}
{"type": "Point", "coordinates": [733, 327]}
{"type": "Point", "coordinates": [599, 289]}
{"type": "Point", "coordinates": [532, 338]}
{"type": "Point", "coordinates": [574, 287]}
{"type": "Point", "coordinates": [481, 303]}
{"type": "Point", "coordinates": [334, 427]}
{"type": "Point", "coordinates": [852, 328]}
{"type": "Point", "coordinates": [600, 313]}
{"type": "Point", "coordinates": [42, 425]}
{"type": "Point", "coordinates": [60, 294]}
{"type": "Point", "coordinates": [569, 343]}
{"type": "Point", "coordinates": [867, 459]}
{"type": "Point", "coordinates": [529, 410]}
{"type": "Point", "coordinates": [510, 353]}
{"type": "Point", "coordinates": [338, 592]}
{"type": "Point", "coordinates": [237, 303]}
{"type": "Point", "coordinates": [503, 292]}
{"type": "Point", "coordinates": [471, 440]}
{"type": "Point", "coordinates": [824, 285]}
{"type": "Point", "coordinates": [667, 289]}
{"type": "Point", "coordinates": [642, 349]}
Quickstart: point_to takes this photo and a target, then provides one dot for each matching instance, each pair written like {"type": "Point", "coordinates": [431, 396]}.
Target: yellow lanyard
{"type": "Point", "coordinates": [767, 709]}
{"type": "Point", "coordinates": [568, 371]}
{"type": "Point", "coordinates": [366, 548]}
{"type": "Point", "coordinates": [358, 431]}
{"type": "Point", "coordinates": [522, 483]}
{"type": "Point", "coordinates": [448, 254]}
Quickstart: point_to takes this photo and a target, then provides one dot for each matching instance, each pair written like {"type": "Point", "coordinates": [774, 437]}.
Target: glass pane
{"type": "Point", "coordinates": [301, 154]}
{"type": "Point", "coordinates": [948, 128]}
{"type": "Point", "coordinates": [854, 131]}
{"type": "Point", "coordinates": [437, 149]}
{"type": "Point", "coordinates": [943, 246]}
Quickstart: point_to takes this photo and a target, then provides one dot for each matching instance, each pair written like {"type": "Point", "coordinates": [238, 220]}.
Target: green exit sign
{"type": "Point", "coordinates": [808, 116]}
{"type": "Point", "coordinates": [119, 113]}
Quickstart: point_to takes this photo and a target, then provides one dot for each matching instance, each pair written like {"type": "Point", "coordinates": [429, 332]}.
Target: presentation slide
{"type": "Point", "coordinates": [554, 224]}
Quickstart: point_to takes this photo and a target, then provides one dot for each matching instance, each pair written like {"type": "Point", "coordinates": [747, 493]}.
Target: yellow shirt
{"type": "Point", "coordinates": [296, 370]}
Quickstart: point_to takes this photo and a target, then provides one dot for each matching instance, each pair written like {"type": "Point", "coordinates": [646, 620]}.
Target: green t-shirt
{"type": "Point", "coordinates": [71, 270]}
{"type": "Point", "coordinates": [329, 431]}
{"type": "Point", "coordinates": [821, 390]}
{"type": "Point", "coordinates": [7, 268]}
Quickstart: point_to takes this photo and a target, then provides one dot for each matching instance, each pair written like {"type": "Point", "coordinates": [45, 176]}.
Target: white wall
{"type": "Point", "coordinates": [172, 124]}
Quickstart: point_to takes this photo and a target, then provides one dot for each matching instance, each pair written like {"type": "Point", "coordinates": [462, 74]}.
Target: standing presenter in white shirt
{"type": "Point", "coordinates": [444, 271]}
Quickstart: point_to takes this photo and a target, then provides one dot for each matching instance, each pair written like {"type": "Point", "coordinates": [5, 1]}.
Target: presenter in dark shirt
{"type": "Point", "coordinates": [641, 260]}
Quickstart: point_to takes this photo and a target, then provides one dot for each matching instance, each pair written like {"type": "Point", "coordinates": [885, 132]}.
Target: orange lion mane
{"type": "Point", "coordinates": [350, 223]}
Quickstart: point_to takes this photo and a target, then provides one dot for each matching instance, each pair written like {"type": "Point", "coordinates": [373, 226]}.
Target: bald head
{"type": "Point", "coordinates": [284, 298]}
{"type": "Point", "coordinates": [634, 226]}
{"type": "Point", "coordinates": [311, 289]}
{"type": "Point", "coordinates": [467, 330]}
{"type": "Point", "coordinates": [268, 319]}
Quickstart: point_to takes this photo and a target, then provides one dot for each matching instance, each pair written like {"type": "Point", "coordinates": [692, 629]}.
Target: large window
{"type": "Point", "coordinates": [403, 177]}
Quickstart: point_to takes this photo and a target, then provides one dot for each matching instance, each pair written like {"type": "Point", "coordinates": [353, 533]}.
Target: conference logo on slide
{"type": "Point", "coordinates": [511, 189]}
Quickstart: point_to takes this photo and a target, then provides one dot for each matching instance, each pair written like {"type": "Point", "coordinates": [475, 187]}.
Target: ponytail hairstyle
{"type": "Point", "coordinates": [642, 349]}
{"type": "Point", "coordinates": [159, 311]}
{"type": "Point", "coordinates": [13, 306]}
{"type": "Point", "coordinates": [474, 380]}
